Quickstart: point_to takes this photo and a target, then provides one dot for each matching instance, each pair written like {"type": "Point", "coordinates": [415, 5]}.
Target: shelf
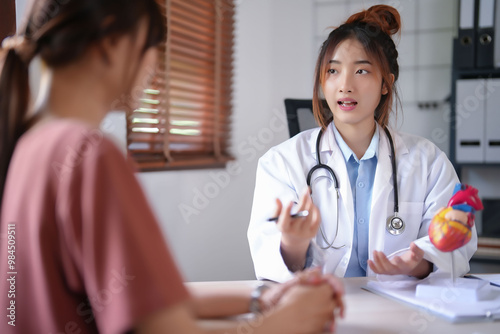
{"type": "Point", "coordinates": [471, 73]}
{"type": "Point", "coordinates": [475, 165]}
{"type": "Point", "coordinates": [488, 249]}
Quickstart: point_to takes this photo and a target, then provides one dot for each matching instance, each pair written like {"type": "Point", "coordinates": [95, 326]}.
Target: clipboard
{"type": "Point", "coordinates": [445, 306]}
{"type": "Point", "coordinates": [493, 279]}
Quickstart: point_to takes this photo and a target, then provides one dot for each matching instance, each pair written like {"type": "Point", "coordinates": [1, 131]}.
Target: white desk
{"type": "Point", "coordinates": [367, 312]}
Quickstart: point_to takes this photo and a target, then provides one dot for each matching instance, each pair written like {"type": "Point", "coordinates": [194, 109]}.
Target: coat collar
{"type": "Point", "coordinates": [329, 144]}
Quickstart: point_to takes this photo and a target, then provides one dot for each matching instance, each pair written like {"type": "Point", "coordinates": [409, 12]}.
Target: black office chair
{"type": "Point", "coordinates": [299, 115]}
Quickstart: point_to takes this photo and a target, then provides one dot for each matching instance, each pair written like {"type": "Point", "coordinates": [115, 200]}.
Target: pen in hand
{"type": "Point", "coordinates": [316, 252]}
{"type": "Point", "coordinates": [304, 213]}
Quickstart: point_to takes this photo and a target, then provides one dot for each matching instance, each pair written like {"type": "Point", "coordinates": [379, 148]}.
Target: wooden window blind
{"type": "Point", "coordinates": [184, 118]}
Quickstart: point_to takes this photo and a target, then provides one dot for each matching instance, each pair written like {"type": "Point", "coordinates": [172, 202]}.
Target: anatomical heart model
{"type": "Point", "coordinates": [448, 235]}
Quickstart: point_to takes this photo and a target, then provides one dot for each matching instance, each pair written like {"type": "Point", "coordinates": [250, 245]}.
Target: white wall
{"type": "Point", "coordinates": [20, 11]}
{"type": "Point", "coordinates": [276, 47]}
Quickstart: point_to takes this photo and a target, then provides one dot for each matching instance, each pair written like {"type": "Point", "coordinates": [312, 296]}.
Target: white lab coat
{"type": "Point", "coordinates": [426, 180]}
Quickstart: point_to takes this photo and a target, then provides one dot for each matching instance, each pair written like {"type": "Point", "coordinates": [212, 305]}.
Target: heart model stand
{"type": "Point", "coordinates": [447, 235]}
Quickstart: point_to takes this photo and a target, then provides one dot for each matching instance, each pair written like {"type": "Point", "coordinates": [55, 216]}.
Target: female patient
{"type": "Point", "coordinates": [81, 245]}
{"type": "Point", "coordinates": [354, 93]}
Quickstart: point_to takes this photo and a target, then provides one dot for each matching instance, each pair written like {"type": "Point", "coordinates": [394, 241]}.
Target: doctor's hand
{"type": "Point", "coordinates": [411, 263]}
{"type": "Point", "coordinates": [296, 233]}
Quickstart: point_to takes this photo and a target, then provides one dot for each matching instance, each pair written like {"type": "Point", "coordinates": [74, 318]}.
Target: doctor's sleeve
{"type": "Point", "coordinates": [442, 179]}
{"type": "Point", "coordinates": [264, 238]}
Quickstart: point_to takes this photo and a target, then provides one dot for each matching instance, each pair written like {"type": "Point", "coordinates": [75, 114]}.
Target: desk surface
{"type": "Point", "coordinates": [367, 312]}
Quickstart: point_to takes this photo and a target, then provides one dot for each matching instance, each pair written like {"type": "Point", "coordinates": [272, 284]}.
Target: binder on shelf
{"type": "Point", "coordinates": [477, 121]}
{"type": "Point", "coordinates": [485, 34]}
{"type": "Point", "coordinates": [465, 44]}
{"type": "Point", "coordinates": [470, 121]}
{"type": "Point", "coordinates": [492, 122]}
{"type": "Point", "coordinates": [496, 38]}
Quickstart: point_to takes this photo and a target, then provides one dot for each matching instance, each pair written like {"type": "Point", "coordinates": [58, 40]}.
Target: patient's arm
{"type": "Point", "coordinates": [302, 309]}
{"type": "Point", "coordinates": [213, 300]}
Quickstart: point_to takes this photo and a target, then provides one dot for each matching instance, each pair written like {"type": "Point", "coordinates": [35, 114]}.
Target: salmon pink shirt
{"type": "Point", "coordinates": [81, 250]}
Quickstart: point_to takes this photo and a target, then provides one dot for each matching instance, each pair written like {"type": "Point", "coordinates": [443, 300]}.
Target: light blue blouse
{"type": "Point", "coordinates": [361, 175]}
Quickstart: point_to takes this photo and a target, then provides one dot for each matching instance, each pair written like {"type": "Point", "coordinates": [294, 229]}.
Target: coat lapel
{"type": "Point", "coordinates": [336, 161]}
{"type": "Point", "coordinates": [382, 188]}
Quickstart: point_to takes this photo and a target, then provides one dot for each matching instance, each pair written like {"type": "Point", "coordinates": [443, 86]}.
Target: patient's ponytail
{"type": "Point", "coordinates": [14, 99]}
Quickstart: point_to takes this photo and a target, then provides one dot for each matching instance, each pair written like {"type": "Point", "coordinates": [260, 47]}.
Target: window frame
{"type": "Point", "coordinates": [184, 120]}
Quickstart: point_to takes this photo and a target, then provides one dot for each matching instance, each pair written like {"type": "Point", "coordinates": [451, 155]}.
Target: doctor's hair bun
{"type": "Point", "coordinates": [385, 17]}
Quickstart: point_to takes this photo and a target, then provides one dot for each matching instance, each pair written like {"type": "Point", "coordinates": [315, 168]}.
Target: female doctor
{"type": "Point", "coordinates": [373, 219]}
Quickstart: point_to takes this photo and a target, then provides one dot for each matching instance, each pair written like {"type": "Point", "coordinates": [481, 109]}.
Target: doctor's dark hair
{"type": "Point", "coordinates": [60, 31]}
{"type": "Point", "coordinates": [373, 28]}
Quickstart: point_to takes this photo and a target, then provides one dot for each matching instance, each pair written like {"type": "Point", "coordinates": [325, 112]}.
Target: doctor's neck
{"type": "Point", "coordinates": [357, 137]}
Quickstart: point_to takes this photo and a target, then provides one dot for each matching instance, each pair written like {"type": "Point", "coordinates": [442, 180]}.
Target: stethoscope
{"type": "Point", "coordinates": [394, 225]}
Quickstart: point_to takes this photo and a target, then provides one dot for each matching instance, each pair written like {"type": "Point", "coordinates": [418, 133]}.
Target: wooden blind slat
{"type": "Point", "coordinates": [192, 26]}
{"type": "Point", "coordinates": [206, 125]}
{"type": "Point", "coordinates": [192, 61]}
{"type": "Point", "coordinates": [188, 37]}
{"type": "Point", "coordinates": [196, 9]}
{"type": "Point", "coordinates": [188, 16]}
{"type": "Point", "coordinates": [193, 43]}
{"type": "Point", "coordinates": [207, 58]}
{"type": "Point", "coordinates": [180, 69]}
{"type": "Point", "coordinates": [205, 134]}
{"type": "Point", "coordinates": [193, 81]}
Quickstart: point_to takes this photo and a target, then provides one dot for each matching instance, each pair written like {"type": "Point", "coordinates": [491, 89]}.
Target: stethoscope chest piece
{"type": "Point", "coordinates": [395, 225]}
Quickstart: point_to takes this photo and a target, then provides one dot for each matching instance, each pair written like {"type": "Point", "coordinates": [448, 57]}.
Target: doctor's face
{"type": "Point", "coordinates": [352, 85]}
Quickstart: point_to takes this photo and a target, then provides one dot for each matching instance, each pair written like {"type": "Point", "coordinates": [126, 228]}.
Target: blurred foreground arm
{"type": "Point", "coordinates": [305, 304]}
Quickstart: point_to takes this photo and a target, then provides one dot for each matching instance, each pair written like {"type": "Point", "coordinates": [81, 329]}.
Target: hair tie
{"type": "Point", "coordinates": [20, 45]}
{"type": "Point", "coordinates": [13, 42]}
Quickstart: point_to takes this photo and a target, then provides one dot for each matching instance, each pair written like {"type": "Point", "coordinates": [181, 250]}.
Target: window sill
{"type": "Point", "coordinates": [185, 164]}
